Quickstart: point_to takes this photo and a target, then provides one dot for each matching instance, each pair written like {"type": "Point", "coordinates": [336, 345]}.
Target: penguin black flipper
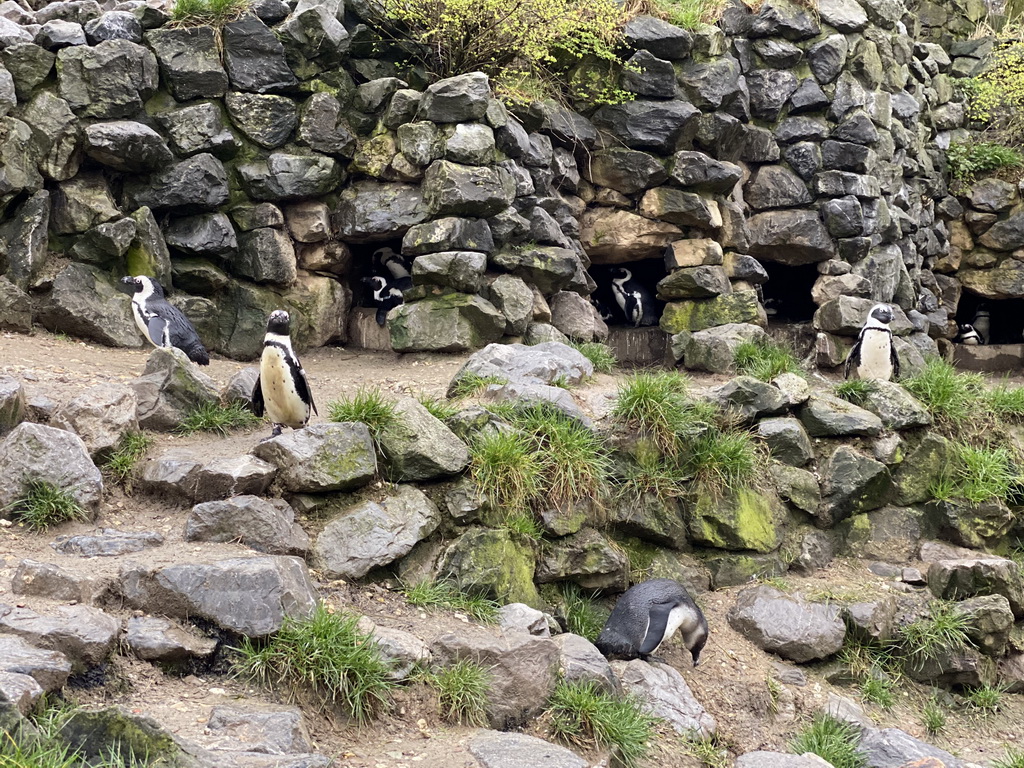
{"type": "Point", "coordinates": [157, 327]}
{"type": "Point", "coordinates": [258, 406]}
{"type": "Point", "coordinates": [658, 621]}
{"type": "Point", "coordinates": [854, 355]}
{"type": "Point", "coordinates": [895, 360]}
{"type": "Point", "coordinates": [302, 387]}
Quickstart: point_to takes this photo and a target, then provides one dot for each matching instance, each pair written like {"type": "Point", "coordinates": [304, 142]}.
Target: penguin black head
{"type": "Point", "coordinates": [279, 323]}
{"type": "Point", "coordinates": [141, 284]}
{"type": "Point", "coordinates": [882, 313]}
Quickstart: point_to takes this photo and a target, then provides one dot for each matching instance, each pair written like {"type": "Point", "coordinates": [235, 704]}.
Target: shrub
{"type": "Point", "coordinates": [131, 449]}
{"type": "Point", "coordinates": [582, 714]}
{"type": "Point", "coordinates": [721, 459]}
{"type": "Point", "coordinates": [765, 359]}
{"type": "Point", "coordinates": [968, 161]}
{"type": "Point", "coordinates": [447, 596]}
{"type": "Point", "coordinates": [995, 98]}
{"type": "Point", "coordinates": [599, 354]}
{"type": "Point", "coordinates": [214, 417]}
{"type": "Point", "coordinates": [216, 13]}
{"type": "Point", "coordinates": [43, 504]}
{"type": "Point", "coordinates": [831, 739]}
{"type": "Point", "coordinates": [369, 406]}
{"type": "Point", "coordinates": [462, 692]}
{"type": "Point", "coordinates": [324, 659]}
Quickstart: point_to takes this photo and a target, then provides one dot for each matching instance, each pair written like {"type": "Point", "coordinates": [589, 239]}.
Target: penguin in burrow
{"type": "Point", "coordinates": [634, 298]}
{"type": "Point", "coordinates": [281, 390]}
{"type": "Point", "coordinates": [162, 324]}
{"type": "Point", "coordinates": [982, 323]}
{"type": "Point", "coordinates": [387, 262]}
{"type": "Point", "coordinates": [874, 355]}
{"type": "Point", "coordinates": [386, 296]}
{"type": "Point", "coordinates": [968, 335]}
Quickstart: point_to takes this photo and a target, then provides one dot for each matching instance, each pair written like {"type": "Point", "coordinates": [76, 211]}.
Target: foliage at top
{"type": "Point", "coordinates": [368, 406]}
{"type": "Point", "coordinates": [214, 13]}
{"type": "Point", "coordinates": [977, 158]}
{"type": "Point", "coordinates": [995, 98]}
{"type": "Point", "coordinates": [950, 395]}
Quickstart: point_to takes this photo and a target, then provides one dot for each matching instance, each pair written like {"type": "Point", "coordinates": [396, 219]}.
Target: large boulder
{"type": "Point", "coordinates": [542, 363]}
{"type": "Point", "coordinates": [958, 579]}
{"type": "Point", "coordinates": [739, 519]}
{"type": "Point", "coordinates": [497, 749]}
{"type": "Point", "coordinates": [322, 457]}
{"type": "Point", "coordinates": [368, 211]}
{"type": "Point", "coordinates": [587, 558]}
{"type": "Point", "coordinates": [190, 61]}
{"type": "Point", "coordinates": [614, 235]}
{"type": "Point", "coordinates": [266, 526]}
{"type": "Point", "coordinates": [664, 693]}
{"type": "Point", "coordinates": [829, 416]}
{"type": "Point", "coordinates": [50, 669]}
{"type": "Point", "coordinates": [35, 452]}
{"type": "Point", "coordinates": [456, 322]}
{"type": "Point", "coordinates": [13, 403]}
{"type": "Point", "coordinates": [419, 446]}
{"type": "Point", "coordinates": [84, 302]}
{"type": "Point", "coordinates": [494, 563]}
{"type": "Point", "coordinates": [853, 483]}
{"type": "Point", "coordinates": [100, 415]}
{"type": "Point", "coordinates": [738, 307]}
{"type": "Point", "coordinates": [465, 190]}
{"type": "Point", "coordinates": [109, 80]}
{"type": "Point", "coordinates": [714, 349]}
{"type": "Point", "coordinates": [170, 388]}
{"type": "Point", "coordinates": [86, 636]}
{"type": "Point", "coordinates": [791, 627]}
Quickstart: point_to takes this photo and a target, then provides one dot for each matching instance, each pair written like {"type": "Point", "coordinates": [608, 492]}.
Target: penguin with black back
{"type": "Point", "coordinates": [396, 265]}
{"type": "Point", "coordinates": [646, 616]}
{"type": "Point", "coordinates": [281, 389]}
{"type": "Point", "coordinates": [874, 355]}
{"type": "Point", "coordinates": [968, 335]}
{"type": "Point", "coordinates": [386, 296]}
{"type": "Point", "coordinates": [634, 298]}
{"type": "Point", "coordinates": [983, 323]}
{"type": "Point", "coordinates": [162, 324]}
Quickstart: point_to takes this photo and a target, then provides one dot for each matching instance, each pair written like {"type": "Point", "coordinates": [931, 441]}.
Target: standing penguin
{"type": "Point", "coordinates": [396, 265]}
{"type": "Point", "coordinates": [983, 323]}
{"type": "Point", "coordinates": [874, 355]}
{"type": "Point", "coordinates": [968, 335]}
{"type": "Point", "coordinates": [386, 296]}
{"type": "Point", "coordinates": [646, 616]}
{"type": "Point", "coordinates": [161, 323]}
{"type": "Point", "coordinates": [281, 389]}
{"type": "Point", "coordinates": [633, 298]}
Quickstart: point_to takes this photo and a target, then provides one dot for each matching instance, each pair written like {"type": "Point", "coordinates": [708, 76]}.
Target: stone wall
{"type": "Point", "coordinates": [263, 165]}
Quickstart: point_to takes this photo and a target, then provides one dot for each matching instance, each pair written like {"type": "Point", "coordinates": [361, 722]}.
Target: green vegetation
{"type": "Point", "coordinates": [976, 475]}
{"type": "Point", "coordinates": [369, 406]}
{"type": "Point", "coordinates": [214, 417]}
{"type": "Point", "coordinates": [831, 739]}
{"type": "Point", "coordinates": [933, 718]}
{"type": "Point", "coordinates": [721, 459]}
{"type": "Point", "coordinates": [995, 98]}
{"type": "Point", "coordinates": [688, 14]}
{"type": "Point", "coordinates": [648, 471]}
{"type": "Point", "coordinates": [968, 161]}
{"type": "Point", "coordinates": [470, 384]}
{"type": "Point", "coordinates": [775, 689]}
{"type": "Point", "coordinates": [524, 524]}
{"type": "Point", "coordinates": [1005, 401]}
{"type": "Point", "coordinates": [440, 408]}
{"type": "Point", "coordinates": [325, 660]}
{"type": "Point", "coordinates": [583, 615]}
{"type": "Point", "coordinates": [44, 748]}
{"type": "Point", "coordinates": [43, 504]}
{"type": "Point", "coordinates": [444, 595]}
{"type": "Point", "coordinates": [1014, 758]}
{"type": "Point", "coordinates": [131, 449]}
{"type": "Point", "coordinates": [854, 391]}
{"type": "Point", "coordinates": [462, 691]}
{"type": "Point", "coordinates": [708, 751]}
{"type": "Point", "coordinates": [765, 359]}
{"type": "Point", "coordinates": [879, 690]}
{"type": "Point", "coordinates": [599, 354]}
{"type": "Point", "coordinates": [985, 699]}
{"type": "Point", "coordinates": [506, 469]}
{"type": "Point", "coordinates": [215, 13]}
{"type": "Point", "coordinates": [944, 628]}
{"type": "Point", "coordinates": [950, 395]}
{"type": "Point", "coordinates": [655, 407]}
{"type": "Point", "coordinates": [584, 715]}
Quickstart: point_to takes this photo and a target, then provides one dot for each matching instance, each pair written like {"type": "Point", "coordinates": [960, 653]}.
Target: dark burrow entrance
{"type": "Point", "coordinates": [643, 277]}
{"type": "Point", "coordinates": [787, 294]}
{"type": "Point", "coordinates": [1005, 317]}
{"type": "Point", "coordinates": [365, 265]}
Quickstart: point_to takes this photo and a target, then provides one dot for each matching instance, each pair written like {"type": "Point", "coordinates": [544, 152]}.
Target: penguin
{"type": "Point", "coordinates": [603, 310]}
{"type": "Point", "coordinates": [968, 335]}
{"type": "Point", "coordinates": [281, 389]}
{"type": "Point", "coordinates": [646, 616]}
{"type": "Point", "coordinates": [874, 355]}
{"type": "Point", "coordinates": [162, 324]}
{"type": "Point", "coordinates": [396, 265]}
{"type": "Point", "coordinates": [982, 323]}
{"type": "Point", "coordinates": [633, 298]}
{"type": "Point", "coordinates": [386, 296]}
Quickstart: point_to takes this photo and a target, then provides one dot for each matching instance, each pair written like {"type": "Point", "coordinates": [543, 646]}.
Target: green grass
{"type": "Point", "coordinates": [584, 715]}
{"type": "Point", "coordinates": [765, 360]}
{"type": "Point", "coordinates": [438, 407]}
{"type": "Point", "coordinates": [462, 692]}
{"type": "Point", "coordinates": [854, 391]}
{"type": "Point", "coordinates": [976, 475]}
{"type": "Point", "coordinates": [506, 468]}
{"type": "Point", "coordinates": [207, 12]}
{"type": "Point", "coordinates": [933, 718]}
{"type": "Point", "coordinates": [943, 629]}
{"type": "Point", "coordinates": [966, 161]}
{"type": "Point", "coordinates": [583, 615]}
{"type": "Point", "coordinates": [524, 524]}
{"type": "Point", "coordinates": [470, 384]}
{"type": "Point", "coordinates": [1005, 401]}
{"type": "Point", "coordinates": [708, 752]}
{"type": "Point", "coordinates": [831, 739]}
{"type": "Point", "coordinates": [648, 471]}
{"type": "Point", "coordinates": [214, 417]}
{"type": "Point", "coordinates": [775, 689]}
{"type": "Point", "coordinates": [879, 690]}
{"type": "Point", "coordinates": [368, 406]}
{"type": "Point", "coordinates": [599, 354]}
{"type": "Point", "coordinates": [443, 595]}
{"type": "Point", "coordinates": [655, 406]}
{"type": "Point", "coordinates": [950, 395]}
{"type": "Point", "coordinates": [324, 660]}
{"type": "Point", "coordinates": [985, 699]}
{"type": "Point", "coordinates": [722, 459]}
{"type": "Point", "coordinates": [42, 504]}
{"type": "Point", "coordinates": [688, 14]}
{"type": "Point", "coordinates": [131, 449]}
{"type": "Point", "coordinates": [1014, 758]}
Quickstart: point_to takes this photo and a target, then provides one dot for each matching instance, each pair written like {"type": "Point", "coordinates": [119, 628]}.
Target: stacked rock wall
{"type": "Point", "coordinates": [261, 166]}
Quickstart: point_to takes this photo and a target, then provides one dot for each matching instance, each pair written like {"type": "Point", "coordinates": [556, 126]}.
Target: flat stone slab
{"type": "Point", "coordinates": [988, 358]}
{"type": "Point", "coordinates": [496, 749]}
{"type": "Point", "coordinates": [109, 542]}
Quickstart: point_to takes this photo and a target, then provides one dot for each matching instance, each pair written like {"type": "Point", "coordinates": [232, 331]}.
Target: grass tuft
{"type": "Point", "coordinates": [648, 471]}
{"type": "Point", "coordinates": [214, 417]}
{"type": "Point", "coordinates": [831, 739]}
{"type": "Point", "coordinates": [131, 449]}
{"type": "Point", "coordinates": [524, 524]}
{"type": "Point", "coordinates": [976, 475]}
{"type": "Point", "coordinates": [438, 407]}
{"type": "Point", "coordinates": [324, 659]}
{"type": "Point", "coordinates": [655, 406]}
{"type": "Point", "coordinates": [584, 715]}
{"type": "Point", "coordinates": [583, 615]}
{"type": "Point", "coordinates": [708, 752]}
{"type": "Point", "coordinates": [688, 14]}
{"type": "Point", "coordinates": [462, 692]}
{"type": "Point", "coordinates": [215, 13]}
{"type": "Point", "coordinates": [444, 595]}
{"type": "Point", "coordinates": [879, 690]}
{"type": "Point", "coordinates": [599, 354]}
{"type": "Point", "coordinates": [854, 391]}
{"type": "Point", "coordinates": [1005, 401]}
{"type": "Point", "coordinates": [43, 504]}
{"type": "Point", "coordinates": [506, 468]}
{"type": "Point", "coordinates": [765, 359]}
{"type": "Point", "coordinates": [470, 384]}
{"type": "Point", "coordinates": [950, 395]}
{"type": "Point", "coordinates": [369, 406]}
{"type": "Point", "coordinates": [933, 718]}
{"type": "Point", "coordinates": [721, 459]}
{"type": "Point", "coordinates": [1014, 758]}
{"type": "Point", "coordinates": [986, 699]}
{"type": "Point", "coordinates": [944, 628]}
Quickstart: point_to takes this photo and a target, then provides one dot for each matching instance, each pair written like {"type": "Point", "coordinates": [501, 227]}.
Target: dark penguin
{"type": "Point", "coordinates": [874, 355]}
{"type": "Point", "coordinates": [281, 390]}
{"type": "Point", "coordinates": [386, 296]}
{"type": "Point", "coordinates": [982, 323]}
{"type": "Point", "coordinates": [161, 323]}
{"type": "Point", "coordinates": [649, 614]}
{"type": "Point", "coordinates": [968, 335]}
{"type": "Point", "coordinates": [633, 298]}
{"type": "Point", "coordinates": [396, 265]}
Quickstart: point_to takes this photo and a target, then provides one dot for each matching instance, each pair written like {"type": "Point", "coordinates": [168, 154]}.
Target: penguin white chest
{"type": "Point", "coordinates": [280, 397]}
{"type": "Point", "coordinates": [142, 322]}
{"type": "Point", "coordinates": [676, 617]}
{"type": "Point", "coordinates": [875, 356]}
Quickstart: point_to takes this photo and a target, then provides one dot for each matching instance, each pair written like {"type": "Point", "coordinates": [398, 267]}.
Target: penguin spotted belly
{"type": "Point", "coordinates": [282, 401]}
{"type": "Point", "coordinates": [875, 358]}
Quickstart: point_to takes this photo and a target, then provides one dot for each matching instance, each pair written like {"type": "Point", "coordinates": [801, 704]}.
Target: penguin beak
{"type": "Point", "coordinates": [126, 285]}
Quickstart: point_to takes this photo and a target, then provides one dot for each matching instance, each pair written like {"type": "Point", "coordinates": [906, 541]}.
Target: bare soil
{"type": "Point", "coordinates": [730, 682]}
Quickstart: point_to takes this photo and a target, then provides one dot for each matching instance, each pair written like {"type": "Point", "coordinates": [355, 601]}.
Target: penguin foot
{"type": "Point", "coordinates": [273, 433]}
{"type": "Point", "coordinates": [655, 659]}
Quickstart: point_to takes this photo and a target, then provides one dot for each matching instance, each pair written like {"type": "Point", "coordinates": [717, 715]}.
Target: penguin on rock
{"type": "Point", "coordinates": [281, 389]}
{"type": "Point", "coordinates": [386, 296]}
{"type": "Point", "coordinates": [646, 616]}
{"type": "Point", "coordinates": [968, 335]}
{"type": "Point", "coordinates": [874, 355]}
{"type": "Point", "coordinates": [633, 298]}
{"type": "Point", "coordinates": [162, 324]}
{"type": "Point", "coordinates": [396, 265]}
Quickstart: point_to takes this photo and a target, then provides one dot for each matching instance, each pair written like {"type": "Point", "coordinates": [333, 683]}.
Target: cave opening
{"type": "Point", "coordinates": [365, 265]}
{"type": "Point", "coordinates": [1005, 317]}
{"type": "Point", "coordinates": [786, 296]}
{"type": "Point", "coordinates": [643, 277]}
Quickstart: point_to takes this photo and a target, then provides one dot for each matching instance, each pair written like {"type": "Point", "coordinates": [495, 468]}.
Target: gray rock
{"type": "Point", "coordinates": [322, 457]}
{"type": "Point", "coordinates": [550, 268]}
{"type": "Point", "coordinates": [152, 638]}
{"type": "Point", "coordinates": [462, 190]}
{"type": "Point", "coordinates": [48, 580]}
{"type": "Point", "coordinates": [127, 146]}
{"type": "Point", "coordinates": [208, 234]}
{"type": "Point", "coordinates": [893, 748]}
{"type": "Point", "coordinates": [471, 144]}
{"type": "Point", "coordinates": [537, 364]}
{"type": "Point", "coordinates": [323, 127]}
{"type": "Point", "coordinates": [770, 89]}
{"type": "Point", "coordinates": [272, 732]}
{"type": "Point", "coordinates": [101, 415]}
{"type": "Point", "coordinates": [170, 388]}
{"type": "Point", "coordinates": [114, 25]}
{"type": "Point", "coordinates": [13, 403]}
{"type": "Point", "coordinates": [15, 308]}
{"type": "Point", "coordinates": [198, 183]}
{"type": "Point", "coordinates": [402, 651]}
{"type": "Point", "coordinates": [250, 596]}
{"type": "Point", "coordinates": [85, 636]}
{"type": "Point", "coordinates": [420, 447]}
{"type": "Point", "coordinates": [989, 621]}
{"type": "Point", "coordinates": [109, 80]}
{"type": "Point", "coordinates": [980, 525]}
{"type": "Point", "coordinates": [254, 57]}
{"type": "Point", "coordinates": [647, 125]}
{"type": "Point", "coordinates": [493, 563]}
{"type": "Point", "coordinates": [791, 627]}
{"type": "Point", "coordinates": [896, 407]}
{"type": "Point", "coordinates": [107, 542]}
{"type": "Point", "coordinates": [497, 749]}
{"type": "Point", "coordinates": [787, 440]}
{"type": "Point", "coordinates": [694, 283]}
{"type": "Point", "coordinates": [665, 694]}
{"type": "Point", "coordinates": [286, 176]}
{"type": "Point", "coordinates": [853, 484]}
{"type": "Point", "coordinates": [23, 239]}
{"type": "Point", "coordinates": [748, 398]}
{"type": "Point", "coordinates": [19, 692]}
{"type": "Point", "coordinates": [78, 204]}
{"type": "Point", "coordinates": [451, 323]}
{"type": "Point", "coordinates": [697, 170]}
{"type": "Point", "coordinates": [647, 75]}
{"type": "Point", "coordinates": [266, 119]}
{"type": "Point", "coordinates": [50, 669]}
{"type": "Point", "coordinates": [579, 661]}
{"type": "Point", "coordinates": [196, 128]}
{"type": "Point", "coordinates": [266, 526]}
{"type": "Point", "coordinates": [450, 233]}
{"type": "Point", "coordinates": [713, 349]}
{"type": "Point", "coordinates": [514, 299]}
{"type": "Point", "coordinates": [522, 618]}
{"type": "Point", "coordinates": [576, 317]}
{"type": "Point", "coordinates": [35, 452]}
{"type": "Point", "coordinates": [461, 270]}
{"type": "Point", "coordinates": [267, 256]}
{"type": "Point", "coordinates": [958, 579]}
{"type": "Point", "coordinates": [456, 99]}
{"type": "Point", "coordinates": [624, 170]}
{"type": "Point", "coordinates": [664, 40]}
{"type": "Point", "coordinates": [370, 210]}
{"type": "Point", "coordinates": [828, 416]}
{"type": "Point", "coordinates": [372, 534]}
{"type": "Point", "coordinates": [313, 31]}
{"type": "Point", "coordinates": [587, 558]}
{"type": "Point", "coordinates": [189, 61]}
{"type": "Point", "coordinates": [791, 237]}
{"type": "Point", "coordinates": [764, 759]}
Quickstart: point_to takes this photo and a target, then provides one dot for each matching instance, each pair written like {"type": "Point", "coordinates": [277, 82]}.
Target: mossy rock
{"type": "Point", "coordinates": [113, 730]}
{"type": "Point", "coordinates": [491, 562]}
{"type": "Point", "coordinates": [455, 322]}
{"type": "Point", "coordinates": [698, 314]}
{"type": "Point", "coordinates": [923, 466]}
{"type": "Point", "coordinates": [739, 519]}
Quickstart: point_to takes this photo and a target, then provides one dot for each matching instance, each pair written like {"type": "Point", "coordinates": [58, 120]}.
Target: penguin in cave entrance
{"type": "Point", "coordinates": [634, 298]}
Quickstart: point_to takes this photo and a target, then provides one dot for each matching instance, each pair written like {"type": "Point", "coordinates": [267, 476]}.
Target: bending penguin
{"type": "Point", "coordinates": [386, 296]}
{"type": "Point", "coordinates": [396, 265]}
{"type": "Point", "coordinates": [281, 389]}
{"type": "Point", "coordinates": [161, 323]}
{"type": "Point", "coordinates": [646, 616]}
{"type": "Point", "coordinates": [633, 298]}
{"type": "Point", "coordinates": [874, 355]}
